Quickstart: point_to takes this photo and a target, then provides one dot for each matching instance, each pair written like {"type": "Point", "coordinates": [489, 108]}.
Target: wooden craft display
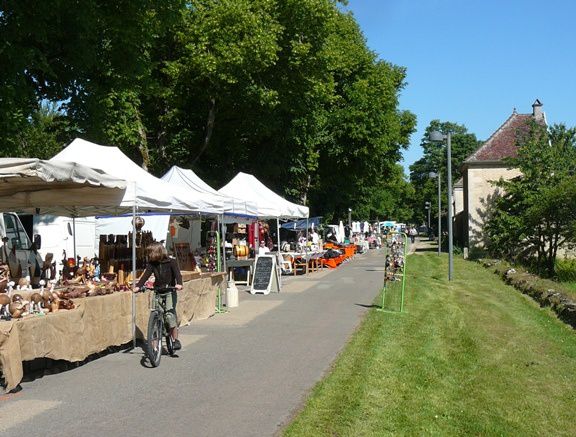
{"type": "Point", "coordinates": [116, 250]}
{"type": "Point", "coordinates": [184, 258]}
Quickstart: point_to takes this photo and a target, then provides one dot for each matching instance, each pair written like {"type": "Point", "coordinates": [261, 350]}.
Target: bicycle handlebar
{"type": "Point", "coordinates": [159, 290]}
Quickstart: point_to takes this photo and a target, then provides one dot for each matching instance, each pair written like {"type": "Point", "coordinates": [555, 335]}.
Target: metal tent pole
{"type": "Point", "coordinates": [278, 233]}
{"type": "Point", "coordinates": [74, 236]}
{"type": "Point", "coordinates": [134, 269]}
{"type": "Point", "coordinates": [223, 239]}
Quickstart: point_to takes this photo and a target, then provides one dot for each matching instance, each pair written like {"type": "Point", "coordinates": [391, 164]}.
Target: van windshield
{"type": "Point", "coordinates": [15, 233]}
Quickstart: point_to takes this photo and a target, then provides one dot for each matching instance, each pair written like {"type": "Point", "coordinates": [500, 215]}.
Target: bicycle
{"type": "Point", "coordinates": [158, 327]}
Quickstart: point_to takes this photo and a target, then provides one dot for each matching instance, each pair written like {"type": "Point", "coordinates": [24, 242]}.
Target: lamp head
{"type": "Point", "coordinates": [437, 136]}
{"type": "Point", "coordinates": [432, 175]}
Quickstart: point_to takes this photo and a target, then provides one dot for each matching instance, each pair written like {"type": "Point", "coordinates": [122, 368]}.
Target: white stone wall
{"type": "Point", "coordinates": [480, 194]}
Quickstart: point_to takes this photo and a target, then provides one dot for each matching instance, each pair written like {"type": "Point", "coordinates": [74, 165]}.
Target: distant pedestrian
{"type": "Point", "coordinates": [412, 232]}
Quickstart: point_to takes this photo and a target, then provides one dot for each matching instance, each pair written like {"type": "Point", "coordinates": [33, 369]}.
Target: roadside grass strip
{"type": "Point", "coordinates": [468, 357]}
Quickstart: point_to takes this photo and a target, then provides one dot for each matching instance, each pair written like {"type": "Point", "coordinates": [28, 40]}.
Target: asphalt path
{"type": "Point", "coordinates": [242, 373]}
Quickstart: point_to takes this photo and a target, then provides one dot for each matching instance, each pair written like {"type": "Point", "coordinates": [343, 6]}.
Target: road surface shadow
{"type": "Point", "coordinates": [367, 306]}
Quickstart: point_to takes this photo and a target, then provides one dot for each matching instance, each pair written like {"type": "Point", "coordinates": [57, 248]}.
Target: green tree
{"type": "Point", "coordinates": [92, 57]}
{"type": "Point", "coordinates": [285, 89]}
{"type": "Point", "coordinates": [434, 159]}
{"type": "Point", "coordinates": [536, 212]}
{"type": "Point", "coordinates": [44, 133]}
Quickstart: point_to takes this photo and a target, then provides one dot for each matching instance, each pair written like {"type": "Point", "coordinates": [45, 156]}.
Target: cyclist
{"type": "Point", "coordinates": [166, 274]}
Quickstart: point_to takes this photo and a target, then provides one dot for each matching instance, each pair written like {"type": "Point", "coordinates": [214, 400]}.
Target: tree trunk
{"type": "Point", "coordinates": [143, 144]}
{"type": "Point", "coordinates": [209, 127]}
{"type": "Point", "coordinates": [306, 189]}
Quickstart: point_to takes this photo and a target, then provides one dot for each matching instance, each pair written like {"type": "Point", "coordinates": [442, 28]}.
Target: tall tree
{"type": "Point", "coordinates": [92, 58]}
{"type": "Point", "coordinates": [284, 89]}
{"type": "Point", "coordinates": [536, 213]}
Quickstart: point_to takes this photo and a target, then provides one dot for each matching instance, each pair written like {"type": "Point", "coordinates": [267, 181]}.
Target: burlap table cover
{"type": "Point", "coordinates": [95, 324]}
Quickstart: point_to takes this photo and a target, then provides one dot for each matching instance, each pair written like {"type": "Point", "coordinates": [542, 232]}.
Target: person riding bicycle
{"type": "Point", "coordinates": [166, 274]}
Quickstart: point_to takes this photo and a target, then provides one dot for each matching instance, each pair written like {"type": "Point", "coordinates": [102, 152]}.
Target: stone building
{"type": "Point", "coordinates": [485, 165]}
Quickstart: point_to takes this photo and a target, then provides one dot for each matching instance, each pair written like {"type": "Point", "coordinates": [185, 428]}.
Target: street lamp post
{"type": "Point", "coordinates": [437, 176]}
{"type": "Point", "coordinates": [428, 208]}
{"type": "Point", "coordinates": [438, 136]}
{"type": "Point", "coordinates": [350, 218]}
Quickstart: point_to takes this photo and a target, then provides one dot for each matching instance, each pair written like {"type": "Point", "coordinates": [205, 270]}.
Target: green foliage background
{"type": "Point", "coordinates": [434, 160]}
{"type": "Point", "coordinates": [535, 213]}
{"type": "Point", "coordinates": [284, 89]}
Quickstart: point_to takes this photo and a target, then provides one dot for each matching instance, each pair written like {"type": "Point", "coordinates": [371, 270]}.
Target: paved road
{"type": "Point", "coordinates": [243, 373]}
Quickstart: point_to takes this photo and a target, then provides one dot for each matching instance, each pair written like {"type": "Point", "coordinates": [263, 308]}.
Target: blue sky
{"type": "Point", "coordinates": [473, 61]}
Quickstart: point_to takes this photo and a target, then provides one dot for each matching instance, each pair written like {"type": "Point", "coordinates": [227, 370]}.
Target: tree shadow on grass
{"type": "Point", "coordinates": [426, 249]}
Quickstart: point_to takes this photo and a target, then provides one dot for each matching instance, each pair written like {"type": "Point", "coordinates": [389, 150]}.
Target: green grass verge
{"type": "Point", "coordinates": [566, 271]}
{"type": "Point", "coordinates": [473, 356]}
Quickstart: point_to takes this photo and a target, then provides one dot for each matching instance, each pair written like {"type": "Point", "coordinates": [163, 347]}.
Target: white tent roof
{"type": "Point", "coordinates": [189, 180]}
{"type": "Point", "coordinates": [245, 186]}
{"type": "Point", "coordinates": [145, 190]}
{"type": "Point", "coordinates": [62, 188]}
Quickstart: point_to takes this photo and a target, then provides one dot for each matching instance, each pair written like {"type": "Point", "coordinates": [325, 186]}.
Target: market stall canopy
{"type": "Point", "coordinates": [189, 180]}
{"type": "Point", "coordinates": [270, 205]}
{"type": "Point", "coordinates": [303, 224]}
{"type": "Point", "coordinates": [29, 185]}
{"type": "Point", "coordinates": [146, 191]}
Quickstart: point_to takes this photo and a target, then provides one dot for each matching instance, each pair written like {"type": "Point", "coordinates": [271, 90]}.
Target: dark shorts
{"type": "Point", "coordinates": [171, 316]}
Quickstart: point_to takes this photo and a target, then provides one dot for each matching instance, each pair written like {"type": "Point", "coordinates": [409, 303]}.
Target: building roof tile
{"type": "Point", "coordinates": [502, 143]}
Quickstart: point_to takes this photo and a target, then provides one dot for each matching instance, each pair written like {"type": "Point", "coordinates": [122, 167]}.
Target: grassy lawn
{"type": "Point", "coordinates": [471, 357]}
{"type": "Point", "coordinates": [571, 286]}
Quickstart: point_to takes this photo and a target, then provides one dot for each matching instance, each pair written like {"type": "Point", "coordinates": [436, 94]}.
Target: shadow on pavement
{"type": "Point", "coordinates": [367, 306]}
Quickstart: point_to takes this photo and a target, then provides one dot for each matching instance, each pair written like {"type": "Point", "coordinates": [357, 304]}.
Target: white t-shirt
{"type": "Point", "coordinates": [263, 250]}
{"type": "Point", "coordinates": [315, 238]}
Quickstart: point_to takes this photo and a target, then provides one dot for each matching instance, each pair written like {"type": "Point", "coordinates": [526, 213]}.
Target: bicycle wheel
{"type": "Point", "coordinates": [169, 344]}
{"type": "Point", "coordinates": [154, 339]}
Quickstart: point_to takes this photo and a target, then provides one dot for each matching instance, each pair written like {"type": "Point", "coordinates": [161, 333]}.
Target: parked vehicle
{"type": "Point", "coordinates": [16, 245]}
{"type": "Point", "coordinates": [57, 234]}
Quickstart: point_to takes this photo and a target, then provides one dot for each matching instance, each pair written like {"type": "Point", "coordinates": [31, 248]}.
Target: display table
{"type": "Point", "coordinates": [95, 324]}
{"type": "Point", "coordinates": [234, 263]}
{"type": "Point", "coordinates": [305, 261]}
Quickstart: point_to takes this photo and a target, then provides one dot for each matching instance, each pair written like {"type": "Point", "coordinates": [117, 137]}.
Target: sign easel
{"type": "Point", "coordinates": [265, 277]}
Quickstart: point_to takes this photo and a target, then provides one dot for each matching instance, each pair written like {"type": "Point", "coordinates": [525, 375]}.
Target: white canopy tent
{"type": "Point", "coordinates": [270, 205]}
{"type": "Point", "coordinates": [234, 207]}
{"type": "Point", "coordinates": [145, 191]}
{"type": "Point", "coordinates": [30, 185]}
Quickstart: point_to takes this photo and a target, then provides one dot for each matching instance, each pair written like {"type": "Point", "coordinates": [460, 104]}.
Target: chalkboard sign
{"type": "Point", "coordinates": [265, 277]}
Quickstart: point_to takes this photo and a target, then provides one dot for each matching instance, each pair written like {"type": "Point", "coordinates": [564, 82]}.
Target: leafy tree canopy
{"type": "Point", "coordinates": [536, 212]}
{"type": "Point", "coordinates": [284, 89]}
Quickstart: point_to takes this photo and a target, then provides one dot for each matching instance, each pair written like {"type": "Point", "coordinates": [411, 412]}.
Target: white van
{"type": "Point", "coordinates": [54, 234]}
